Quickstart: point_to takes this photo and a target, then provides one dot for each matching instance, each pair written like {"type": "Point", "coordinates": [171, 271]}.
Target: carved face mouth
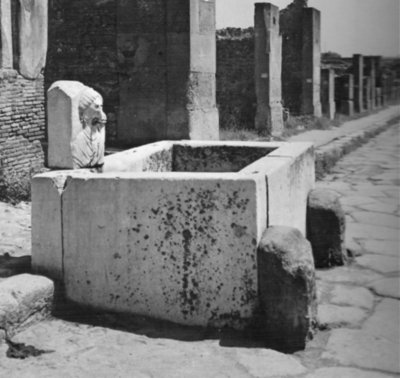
{"type": "Point", "coordinates": [98, 121]}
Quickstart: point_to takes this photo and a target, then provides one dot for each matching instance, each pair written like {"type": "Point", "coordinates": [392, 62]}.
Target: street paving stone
{"type": "Point", "coordinates": [361, 341]}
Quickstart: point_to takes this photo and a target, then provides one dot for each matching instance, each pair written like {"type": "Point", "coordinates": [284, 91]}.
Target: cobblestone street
{"type": "Point", "coordinates": [358, 310]}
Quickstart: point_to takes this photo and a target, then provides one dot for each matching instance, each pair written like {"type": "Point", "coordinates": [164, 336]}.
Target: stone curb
{"type": "Point", "coordinates": [25, 299]}
{"type": "Point", "coordinates": [326, 156]}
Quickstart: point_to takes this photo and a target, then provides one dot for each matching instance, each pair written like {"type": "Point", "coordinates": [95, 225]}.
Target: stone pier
{"type": "Point", "coordinates": [370, 71]}
{"type": "Point", "coordinates": [311, 55]}
{"type": "Point", "coordinates": [358, 72]}
{"type": "Point", "coordinates": [167, 82]}
{"type": "Point", "coordinates": [268, 60]}
{"type": "Point", "coordinates": [367, 101]}
{"type": "Point", "coordinates": [6, 50]}
{"type": "Point", "coordinates": [344, 93]}
{"type": "Point", "coordinates": [328, 92]}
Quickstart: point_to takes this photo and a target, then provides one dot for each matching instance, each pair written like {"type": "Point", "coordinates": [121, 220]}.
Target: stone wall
{"type": "Point", "coordinates": [236, 97]}
{"type": "Point", "coordinates": [22, 128]}
{"type": "Point", "coordinates": [82, 47]}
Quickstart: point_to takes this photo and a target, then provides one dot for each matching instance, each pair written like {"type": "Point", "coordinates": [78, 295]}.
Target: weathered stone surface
{"type": "Point", "coordinates": [32, 37]}
{"type": "Point", "coordinates": [286, 288]}
{"type": "Point", "coordinates": [335, 316]}
{"type": "Point", "coordinates": [24, 299]}
{"type": "Point", "coordinates": [382, 247]}
{"type": "Point", "coordinates": [75, 126]}
{"type": "Point", "coordinates": [385, 320]}
{"type": "Point", "coordinates": [364, 350]}
{"type": "Point", "coordinates": [383, 264]}
{"type": "Point", "coordinates": [352, 296]}
{"type": "Point", "coordinates": [290, 173]}
{"type": "Point", "coordinates": [47, 224]}
{"type": "Point", "coordinates": [274, 364]}
{"type": "Point", "coordinates": [183, 248]}
{"type": "Point", "coordinates": [342, 372]}
{"type": "Point", "coordinates": [326, 228]}
{"type": "Point", "coordinates": [6, 48]}
{"type": "Point", "coordinates": [268, 67]}
{"type": "Point", "coordinates": [387, 287]}
{"type": "Point", "coordinates": [167, 61]}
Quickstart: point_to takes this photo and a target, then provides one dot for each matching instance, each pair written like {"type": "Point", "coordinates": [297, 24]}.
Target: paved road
{"type": "Point", "coordinates": [359, 305]}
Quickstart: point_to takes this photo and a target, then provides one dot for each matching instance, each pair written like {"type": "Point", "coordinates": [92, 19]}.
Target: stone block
{"type": "Point", "coordinates": [326, 228]}
{"type": "Point", "coordinates": [170, 230]}
{"type": "Point", "coordinates": [290, 175]}
{"type": "Point", "coordinates": [181, 249]}
{"type": "Point", "coordinates": [46, 222]}
{"type": "Point", "coordinates": [6, 48]}
{"type": "Point", "coordinates": [32, 37]}
{"type": "Point", "coordinates": [287, 290]}
{"type": "Point", "coordinates": [24, 299]}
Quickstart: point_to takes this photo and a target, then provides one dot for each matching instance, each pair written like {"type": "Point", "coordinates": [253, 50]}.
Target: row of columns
{"type": "Point", "coordinates": [268, 66]}
{"type": "Point", "coordinates": [364, 88]}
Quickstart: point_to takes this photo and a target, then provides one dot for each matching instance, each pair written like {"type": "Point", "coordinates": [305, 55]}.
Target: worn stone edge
{"type": "Point", "coordinates": [326, 156]}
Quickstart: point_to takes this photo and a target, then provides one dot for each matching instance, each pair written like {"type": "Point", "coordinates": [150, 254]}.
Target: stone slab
{"type": "Point", "coordinates": [336, 316]}
{"type": "Point", "coordinates": [334, 372]}
{"type": "Point", "coordinates": [387, 287]}
{"type": "Point", "coordinates": [181, 249]}
{"type": "Point", "coordinates": [352, 296]}
{"type": "Point", "coordinates": [361, 349]}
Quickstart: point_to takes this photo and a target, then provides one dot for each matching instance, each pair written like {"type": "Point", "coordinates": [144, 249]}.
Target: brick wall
{"type": "Point", "coordinates": [22, 127]}
{"type": "Point", "coordinates": [236, 97]}
{"type": "Point", "coordinates": [83, 47]}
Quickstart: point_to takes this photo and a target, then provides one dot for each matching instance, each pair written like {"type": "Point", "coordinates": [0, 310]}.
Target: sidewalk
{"type": "Point", "coordinates": [358, 304]}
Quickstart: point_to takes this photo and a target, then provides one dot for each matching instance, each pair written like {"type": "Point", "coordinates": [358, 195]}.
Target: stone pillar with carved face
{"type": "Point", "coordinates": [76, 126]}
{"type": "Point", "coordinates": [88, 146]}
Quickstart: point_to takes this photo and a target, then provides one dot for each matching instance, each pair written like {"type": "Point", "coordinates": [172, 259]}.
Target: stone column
{"type": "Point", "coordinates": [268, 68]}
{"type": "Point", "coordinates": [167, 58]}
{"type": "Point", "coordinates": [370, 71]}
{"type": "Point", "coordinates": [367, 93]}
{"type": "Point", "coordinates": [358, 72]}
{"type": "Point", "coordinates": [328, 92]}
{"type": "Point", "coordinates": [344, 88]}
{"type": "Point", "coordinates": [6, 50]}
{"type": "Point", "coordinates": [311, 65]}
{"type": "Point", "coordinates": [32, 37]}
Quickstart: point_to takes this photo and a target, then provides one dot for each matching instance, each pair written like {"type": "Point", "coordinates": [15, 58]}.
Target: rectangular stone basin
{"type": "Point", "coordinates": [170, 230]}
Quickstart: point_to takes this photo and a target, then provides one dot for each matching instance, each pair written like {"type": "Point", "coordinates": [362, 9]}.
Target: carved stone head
{"type": "Point", "coordinates": [91, 108]}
